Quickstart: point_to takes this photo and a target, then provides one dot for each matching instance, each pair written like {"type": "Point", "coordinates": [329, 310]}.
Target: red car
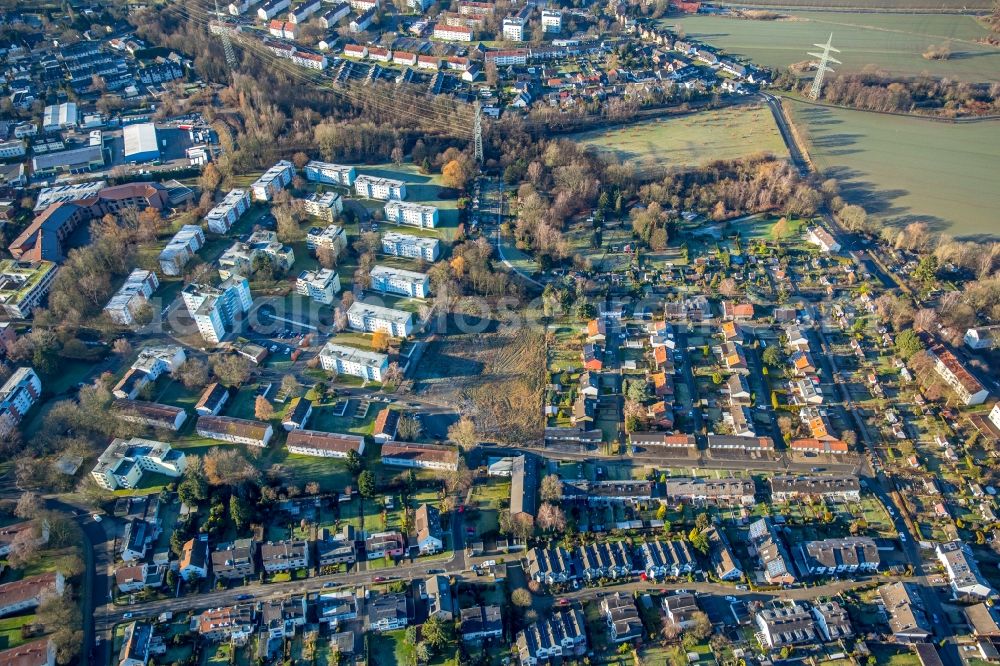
{"type": "Point", "coordinates": [378, 579]}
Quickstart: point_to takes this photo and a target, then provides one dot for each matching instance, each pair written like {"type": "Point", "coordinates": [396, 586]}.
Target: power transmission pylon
{"type": "Point", "coordinates": [823, 67]}
{"type": "Point", "coordinates": [227, 44]}
{"type": "Point", "coordinates": [478, 134]}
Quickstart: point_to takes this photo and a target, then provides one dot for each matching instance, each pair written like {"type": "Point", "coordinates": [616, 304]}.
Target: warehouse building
{"type": "Point", "coordinates": [140, 143]}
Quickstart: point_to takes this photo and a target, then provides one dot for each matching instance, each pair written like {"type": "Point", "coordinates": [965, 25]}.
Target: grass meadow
{"type": "Point", "coordinates": [687, 141]}
{"type": "Point", "coordinates": [908, 169]}
{"type": "Point", "coordinates": [892, 42]}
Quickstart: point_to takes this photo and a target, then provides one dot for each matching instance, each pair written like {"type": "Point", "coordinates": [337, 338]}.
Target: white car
{"type": "Point", "coordinates": [902, 537]}
{"type": "Point", "coordinates": [97, 518]}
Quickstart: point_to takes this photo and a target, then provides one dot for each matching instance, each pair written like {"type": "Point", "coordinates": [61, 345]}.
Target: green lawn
{"type": "Point", "coordinates": [10, 631]}
{"type": "Point", "coordinates": [892, 42]}
{"type": "Point", "coordinates": [902, 169]}
{"type": "Point", "coordinates": [690, 140]}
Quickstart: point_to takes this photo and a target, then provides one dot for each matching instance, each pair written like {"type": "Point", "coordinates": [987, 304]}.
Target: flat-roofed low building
{"type": "Point", "coordinates": [140, 143]}
{"type": "Point", "coordinates": [411, 214]}
{"type": "Point", "coordinates": [328, 173]}
{"type": "Point", "coordinates": [371, 187]}
{"type": "Point", "coordinates": [399, 281]}
{"type": "Point", "coordinates": [369, 318]}
{"type": "Point", "coordinates": [319, 285]}
{"type": "Point", "coordinates": [23, 285]}
{"type": "Point", "coordinates": [237, 431]}
{"type": "Point", "coordinates": [411, 247]}
{"type": "Point", "coordinates": [125, 461]}
{"type": "Point", "coordinates": [324, 444]}
{"type": "Point", "coordinates": [152, 414]}
{"type": "Point", "coordinates": [132, 296]}
{"type": "Point", "coordinates": [426, 456]}
{"type": "Point", "coordinates": [342, 359]}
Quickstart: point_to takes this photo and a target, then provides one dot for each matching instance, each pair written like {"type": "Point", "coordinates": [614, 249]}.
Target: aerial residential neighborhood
{"type": "Point", "coordinates": [454, 333]}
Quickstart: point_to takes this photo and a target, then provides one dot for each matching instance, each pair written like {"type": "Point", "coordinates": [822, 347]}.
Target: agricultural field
{"type": "Point", "coordinates": [908, 169]}
{"type": "Point", "coordinates": [886, 5]}
{"type": "Point", "coordinates": [688, 141]}
{"type": "Point", "coordinates": [892, 42]}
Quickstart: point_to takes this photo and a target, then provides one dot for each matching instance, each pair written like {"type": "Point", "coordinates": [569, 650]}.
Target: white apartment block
{"type": "Point", "coordinates": [23, 284]}
{"type": "Point", "coordinates": [420, 6]}
{"type": "Point", "coordinates": [181, 249]}
{"type": "Point", "coordinates": [363, 5]}
{"type": "Point", "coordinates": [399, 281]}
{"type": "Point", "coordinates": [453, 33]}
{"type": "Point", "coordinates": [332, 237]}
{"type": "Point", "coordinates": [513, 29]}
{"type": "Point", "coordinates": [240, 257]}
{"type": "Point", "coordinates": [355, 362]}
{"type": "Point", "coordinates": [310, 60]}
{"type": "Point", "coordinates": [325, 206]}
{"type": "Point", "coordinates": [321, 285]}
{"type": "Point", "coordinates": [551, 20]}
{"type": "Point", "coordinates": [214, 309]}
{"type": "Point", "coordinates": [302, 12]}
{"type": "Point", "coordinates": [273, 181]}
{"type": "Point", "coordinates": [386, 189]}
{"type": "Point", "coordinates": [17, 396]}
{"type": "Point", "coordinates": [123, 463]}
{"type": "Point", "coordinates": [135, 293]}
{"type": "Point", "coordinates": [11, 149]}
{"type": "Point", "coordinates": [411, 247]}
{"type": "Point", "coordinates": [411, 214]}
{"type": "Point", "coordinates": [370, 318]}
{"type": "Point", "coordinates": [226, 213]}
{"type": "Point", "coordinates": [272, 8]}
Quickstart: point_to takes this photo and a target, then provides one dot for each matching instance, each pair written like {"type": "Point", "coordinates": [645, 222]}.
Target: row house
{"type": "Point", "coordinates": [710, 492]}
{"type": "Point", "coordinates": [838, 556]}
{"type": "Point", "coordinates": [284, 555]}
{"type": "Point", "coordinates": [667, 558]}
{"type": "Point", "coordinates": [907, 618]}
{"type": "Point", "coordinates": [963, 572]}
{"type": "Point", "coordinates": [425, 456]}
{"type": "Point", "coordinates": [832, 620]}
{"type": "Point", "coordinates": [785, 626]}
{"type": "Point", "coordinates": [561, 635]}
{"type": "Point", "coordinates": [236, 560]}
{"type": "Point", "coordinates": [622, 617]}
{"type": "Point", "coordinates": [234, 430]}
{"type": "Point", "coordinates": [324, 444]}
{"type": "Point", "coordinates": [480, 622]}
{"type": "Point", "coordinates": [551, 565]}
{"type": "Point", "coordinates": [605, 560]}
{"type": "Point", "coordinates": [661, 442]}
{"type": "Point", "coordinates": [30, 592]}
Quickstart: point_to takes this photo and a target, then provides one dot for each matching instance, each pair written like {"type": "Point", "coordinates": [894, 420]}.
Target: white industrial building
{"type": "Point", "coordinates": [379, 188]}
{"type": "Point", "coordinates": [370, 318]}
{"type": "Point", "coordinates": [331, 174]}
{"type": "Point", "coordinates": [135, 293]}
{"type": "Point", "coordinates": [181, 249]}
{"type": "Point", "coordinates": [321, 285]}
{"type": "Point", "coordinates": [411, 247]}
{"type": "Point", "coordinates": [11, 149]}
{"type": "Point", "coordinates": [225, 214]}
{"type": "Point", "coordinates": [355, 362]}
{"type": "Point", "coordinates": [273, 181]}
{"type": "Point", "coordinates": [398, 281]}
{"type": "Point", "coordinates": [325, 206]}
{"type": "Point", "coordinates": [412, 214]}
{"type": "Point", "coordinates": [215, 309]}
{"type": "Point", "coordinates": [60, 116]}
{"type": "Point", "coordinates": [140, 143]}
{"type": "Point", "coordinates": [123, 463]}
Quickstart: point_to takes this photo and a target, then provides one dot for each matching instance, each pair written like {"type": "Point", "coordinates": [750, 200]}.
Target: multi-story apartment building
{"type": "Point", "coordinates": [235, 560]}
{"type": "Point", "coordinates": [273, 181]}
{"type": "Point", "coordinates": [325, 206]}
{"type": "Point", "coordinates": [134, 294]}
{"type": "Point", "coordinates": [332, 237]}
{"type": "Point", "coordinates": [321, 285]}
{"type": "Point", "coordinates": [837, 556]}
{"type": "Point", "coordinates": [411, 214]}
{"type": "Point", "coordinates": [215, 309]}
{"type": "Point", "coordinates": [411, 247]}
{"type": "Point", "coordinates": [240, 258]}
{"type": "Point", "coordinates": [125, 461]}
{"type": "Point", "coordinates": [23, 285]}
{"type": "Point", "coordinates": [237, 431]}
{"type": "Point", "coordinates": [370, 318]}
{"type": "Point", "coordinates": [30, 592]}
{"type": "Point", "coordinates": [371, 187]}
{"type": "Point", "coordinates": [232, 623]}
{"type": "Point", "coordinates": [181, 249]}
{"type": "Point", "coordinates": [387, 612]}
{"type": "Point", "coordinates": [843, 487]}
{"type": "Point", "coordinates": [18, 394]}
{"type": "Point", "coordinates": [453, 33]}
{"type": "Point", "coordinates": [284, 555]}
{"type": "Point", "coordinates": [225, 214]}
{"type": "Point", "coordinates": [963, 572]}
{"type": "Point", "coordinates": [426, 456]}
{"type": "Point", "coordinates": [969, 389]}
{"type": "Point", "coordinates": [355, 362]}
{"type": "Point", "coordinates": [398, 281]}
{"type": "Point", "coordinates": [551, 20]}
{"type": "Point", "coordinates": [513, 29]}
{"type": "Point", "coordinates": [786, 625]}
{"type": "Point", "coordinates": [324, 444]}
